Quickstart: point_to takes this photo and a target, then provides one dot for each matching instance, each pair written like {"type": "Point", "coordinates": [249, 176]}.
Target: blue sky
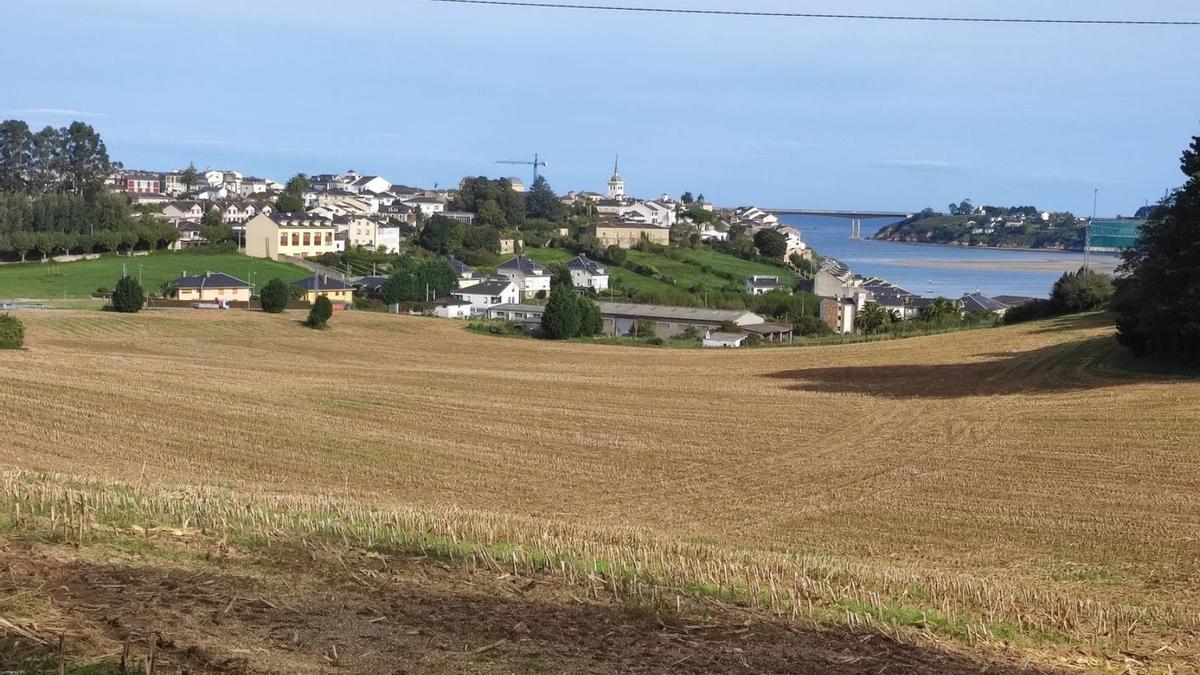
{"type": "Point", "coordinates": [778, 112]}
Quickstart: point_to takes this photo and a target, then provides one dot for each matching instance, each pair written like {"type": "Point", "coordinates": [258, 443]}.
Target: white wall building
{"type": "Point", "coordinates": [494, 291]}
{"type": "Point", "coordinates": [530, 277]}
{"type": "Point", "coordinates": [587, 273]}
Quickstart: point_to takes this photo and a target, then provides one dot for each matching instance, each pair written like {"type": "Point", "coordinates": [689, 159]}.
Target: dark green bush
{"type": "Point", "coordinates": [274, 296]}
{"type": "Point", "coordinates": [12, 332]}
{"type": "Point", "coordinates": [128, 296]}
{"type": "Point", "coordinates": [321, 313]}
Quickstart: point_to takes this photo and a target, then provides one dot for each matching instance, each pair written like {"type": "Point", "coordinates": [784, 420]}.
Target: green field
{"type": "Point", "coordinates": [46, 281]}
{"type": "Point", "coordinates": [686, 273]}
{"type": "Point", "coordinates": [621, 277]}
{"type": "Point", "coordinates": [692, 271]}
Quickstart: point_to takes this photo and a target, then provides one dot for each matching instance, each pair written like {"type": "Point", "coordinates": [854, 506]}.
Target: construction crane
{"type": "Point", "coordinates": [535, 163]}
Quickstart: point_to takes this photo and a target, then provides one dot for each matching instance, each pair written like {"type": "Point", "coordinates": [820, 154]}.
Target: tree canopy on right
{"type": "Point", "coordinates": [1157, 298]}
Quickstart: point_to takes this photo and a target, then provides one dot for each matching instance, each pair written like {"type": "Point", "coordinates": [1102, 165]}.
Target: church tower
{"type": "Point", "coordinates": [616, 185]}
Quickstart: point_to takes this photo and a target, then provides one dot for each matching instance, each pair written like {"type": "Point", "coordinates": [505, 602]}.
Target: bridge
{"type": "Point", "coordinates": [856, 217]}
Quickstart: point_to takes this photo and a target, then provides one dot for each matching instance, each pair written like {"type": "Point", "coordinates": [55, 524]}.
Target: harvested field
{"type": "Point", "coordinates": [1011, 489]}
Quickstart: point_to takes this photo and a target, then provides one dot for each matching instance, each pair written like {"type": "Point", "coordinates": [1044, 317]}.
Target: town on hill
{"type": "Point", "coordinates": [486, 250]}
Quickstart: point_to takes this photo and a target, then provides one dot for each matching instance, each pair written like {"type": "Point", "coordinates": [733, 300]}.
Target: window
{"type": "Point", "coordinates": [307, 239]}
{"type": "Point", "coordinates": [328, 238]}
{"type": "Point", "coordinates": [283, 238]}
{"type": "Point", "coordinates": [295, 239]}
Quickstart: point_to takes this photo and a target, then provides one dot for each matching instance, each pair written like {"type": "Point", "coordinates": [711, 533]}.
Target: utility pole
{"type": "Point", "coordinates": [1087, 236]}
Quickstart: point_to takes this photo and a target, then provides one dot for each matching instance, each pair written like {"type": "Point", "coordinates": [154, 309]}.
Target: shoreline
{"type": "Point", "coordinates": [1024, 249]}
{"type": "Point", "coordinates": [1106, 266]}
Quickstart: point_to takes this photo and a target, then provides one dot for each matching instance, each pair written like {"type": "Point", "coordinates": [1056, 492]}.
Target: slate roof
{"type": "Point", "coordinates": [632, 310]}
{"type": "Point", "coordinates": [211, 280]}
{"type": "Point", "coordinates": [451, 301]}
{"type": "Point", "coordinates": [526, 266]}
{"type": "Point", "coordinates": [300, 220]}
{"type": "Point", "coordinates": [461, 268]}
{"type": "Point", "coordinates": [764, 282]}
{"type": "Point", "coordinates": [489, 287]}
{"type": "Point", "coordinates": [321, 282]}
{"type": "Point", "coordinates": [370, 283]}
{"type": "Point", "coordinates": [980, 302]}
{"type": "Point", "coordinates": [582, 262]}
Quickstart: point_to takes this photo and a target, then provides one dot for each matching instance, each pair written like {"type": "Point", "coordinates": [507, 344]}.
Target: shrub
{"type": "Point", "coordinates": [691, 332]}
{"type": "Point", "coordinates": [1030, 311]}
{"type": "Point", "coordinates": [275, 296]}
{"type": "Point", "coordinates": [811, 326]}
{"type": "Point", "coordinates": [321, 312]}
{"type": "Point", "coordinates": [128, 296]}
{"type": "Point", "coordinates": [12, 332]}
{"type": "Point", "coordinates": [102, 290]}
{"type": "Point", "coordinates": [644, 328]}
{"type": "Point", "coordinates": [1082, 291]}
{"type": "Point", "coordinates": [561, 319]}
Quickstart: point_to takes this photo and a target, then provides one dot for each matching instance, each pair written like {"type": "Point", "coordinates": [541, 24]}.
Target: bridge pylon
{"type": "Point", "coordinates": [856, 228]}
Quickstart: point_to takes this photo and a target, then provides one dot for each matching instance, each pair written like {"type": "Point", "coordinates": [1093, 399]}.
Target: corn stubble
{"type": "Point", "coordinates": [997, 489]}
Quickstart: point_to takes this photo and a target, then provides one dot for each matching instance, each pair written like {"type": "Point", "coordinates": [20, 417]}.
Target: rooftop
{"type": "Point", "coordinates": [211, 280]}
{"type": "Point", "coordinates": [489, 287]}
{"type": "Point", "coordinates": [322, 282]}
{"type": "Point", "coordinates": [632, 310]}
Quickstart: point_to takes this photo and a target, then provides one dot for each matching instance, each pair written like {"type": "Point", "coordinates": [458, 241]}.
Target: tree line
{"type": "Point", "coordinates": [53, 199]}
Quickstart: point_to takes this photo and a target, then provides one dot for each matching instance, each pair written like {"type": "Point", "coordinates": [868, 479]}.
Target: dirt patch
{"type": "Point", "coordinates": [349, 612]}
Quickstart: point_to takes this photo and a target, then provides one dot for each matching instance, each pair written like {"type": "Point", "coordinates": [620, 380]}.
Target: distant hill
{"type": "Point", "coordinates": [1017, 227]}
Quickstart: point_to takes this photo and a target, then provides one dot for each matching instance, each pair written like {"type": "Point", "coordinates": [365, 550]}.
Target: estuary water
{"type": "Point", "coordinates": [934, 270]}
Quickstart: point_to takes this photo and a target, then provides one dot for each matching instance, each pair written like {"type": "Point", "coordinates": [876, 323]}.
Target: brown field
{"type": "Point", "coordinates": [1014, 493]}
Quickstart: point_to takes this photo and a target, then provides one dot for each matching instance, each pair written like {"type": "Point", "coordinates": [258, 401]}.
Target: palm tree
{"type": "Point", "coordinates": [873, 318]}
{"type": "Point", "coordinates": [937, 309]}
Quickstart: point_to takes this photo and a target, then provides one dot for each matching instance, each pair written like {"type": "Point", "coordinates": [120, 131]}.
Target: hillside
{"type": "Point", "coordinates": [977, 230]}
{"type": "Point", "coordinates": [449, 499]}
{"type": "Point", "coordinates": [679, 276]}
{"type": "Point", "coordinates": [80, 279]}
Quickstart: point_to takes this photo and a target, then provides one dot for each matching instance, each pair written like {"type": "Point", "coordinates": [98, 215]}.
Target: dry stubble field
{"type": "Point", "coordinates": [1003, 490]}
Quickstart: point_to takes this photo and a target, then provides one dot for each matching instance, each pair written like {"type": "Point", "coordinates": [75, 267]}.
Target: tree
{"type": "Point", "coordinates": [274, 296]}
{"type": "Point", "coordinates": [286, 203]}
{"type": "Point", "coordinates": [1157, 298]}
{"type": "Point", "coordinates": [321, 313]}
{"type": "Point", "coordinates": [560, 276]}
{"type": "Point", "coordinates": [561, 319]}
{"type": "Point", "coordinates": [771, 244]}
{"type": "Point", "coordinates": [686, 199]}
{"type": "Point", "coordinates": [188, 177]}
{"type": "Point", "coordinates": [128, 296]}
{"type": "Point", "coordinates": [1082, 291]}
{"type": "Point", "coordinates": [12, 333]}
{"type": "Point", "coordinates": [16, 154]}
{"type": "Point", "coordinates": [939, 310]}
{"type": "Point", "coordinates": [873, 318]}
{"type": "Point", "coordinates": [84, 159]}
{"type": "Point", "coordinates": [213, 227]}
{"type": "Point", "coordinates": [541, 202]}
{"type": "Point", "coordinates": [291, 200]}
{"type": "Point", "coordinates": [591, 322]}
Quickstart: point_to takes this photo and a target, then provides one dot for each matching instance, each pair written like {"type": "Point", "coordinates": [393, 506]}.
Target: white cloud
{"type": "Point", "coordinates": [54, 112]}
{"type": "Point", "coordinates": [916, 165]}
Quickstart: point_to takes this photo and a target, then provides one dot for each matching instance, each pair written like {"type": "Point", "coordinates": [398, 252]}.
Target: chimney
{"type": "Point", "coordinates": [207, 275]}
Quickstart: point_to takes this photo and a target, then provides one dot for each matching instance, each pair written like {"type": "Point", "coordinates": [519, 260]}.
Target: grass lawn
{"type": "Point", "coordinates": [723, 262]}
{"type": "Point", "coordinates": [80, 279]}
{"type": "Point", "coordinates": [621, 277]}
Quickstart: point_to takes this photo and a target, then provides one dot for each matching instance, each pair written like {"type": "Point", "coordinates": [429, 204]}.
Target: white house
{"type": "Point", "coordinates": [452, 308]}
{"type": "Point", "coordinates": [761, 284]}
{"type": "Point", "coordinates": [359, 231]}
{"type": "Point", "coordinates": [372, 184]}
{"type": "Point", "coordinates": [494, 291]}
{"type": "Point", "coordinates": [388, 238]}
{"type": "Point", "coordinates": [721, 340]}
{"type": "Point", "coordinates": [529, 276]}
{"type": "Point", "coordinates": [709, 233]}
{"type": "Point", "coordinates": [252, 186]}
{"type": "Point", "coordinates": [212, 193]}
{"type": "Point", "coordinates": [467, 276]}
{"type": "Point", "coordinates": [653, 213]}
{"type": "Point", "coordinates": [175, 212]}
{"type": "Point", "coordinates": [426, 205]}
{"type": "Point", "coordinates": [587, 273]}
